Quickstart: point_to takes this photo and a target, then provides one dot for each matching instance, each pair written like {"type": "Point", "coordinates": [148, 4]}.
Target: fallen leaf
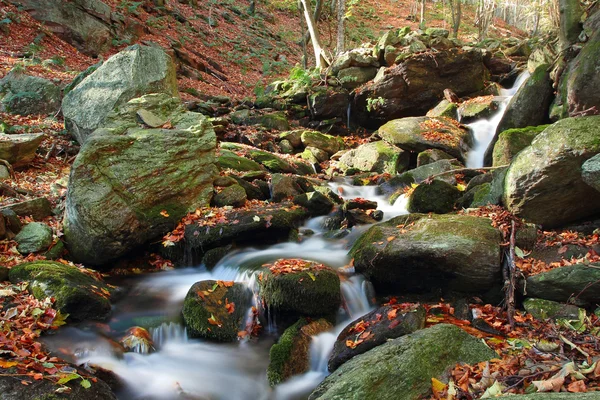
{"type": "Point", "coordinates": [164, 213]}
{"type": "Point", "coordinates": [577, 387]}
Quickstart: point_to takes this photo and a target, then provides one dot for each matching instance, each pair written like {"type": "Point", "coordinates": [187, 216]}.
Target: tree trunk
{"type": "Point", "coordinates": [320, 58]}
{"type": "Point", "coordinates": [303, 31]}
{"type": "Point", "coordinates": [341, 11]}
{"type": "Point", "coordinates": [456, 11]}
{"type": "Point", "coordinates": [422, 22]}
{"type": "Point", "coordinates": [316, 17]}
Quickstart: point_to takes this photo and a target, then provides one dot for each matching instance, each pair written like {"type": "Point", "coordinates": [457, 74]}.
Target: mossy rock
{"type": "Point", "coordinates": [402, 368]}
{"type": "Point", "coordinates": [276, 120]}
{"type": "Point", "coordinates": [206, 314]}
{"type": "Point", "coordinates": [33, 238]}
{"type": "Point", "coordinates": [271, 161]}
{"type": "Point", "coordinates": [545, 309]}
{"type": "Point", "coordinates": [512, 141]}
{"type": "Point", "coordinates": [577, 284]}
{"type": "Point", "coordinates": [437, 197]}
{"type": "Point", "coordinates": [430, 156]}
{"type": "Point", "coordinates": [234, 196]}
{"type": "Point", "coordinates": [78, 294]}
{"type": "Point", "coordinates": [380, 157]}
{"type": "Point", "coordinates": [311, 290]}
{"type": "Point", "coordinates": [330, 144]}
{"type": "Point", "coordinates": [590, 172]}
{"type": "Point", "coordinates": [229, 160]}
{"type": "Point", "coordinates": [291, 354]}
{"type": "Point", "coordinates": [426, 171]}
{"type": "Point", "coordinates": [315, 202]}
{"type": "Point", "coordinates": [444, 109]}
{"type": "Point", "coordinates": [479, 107]}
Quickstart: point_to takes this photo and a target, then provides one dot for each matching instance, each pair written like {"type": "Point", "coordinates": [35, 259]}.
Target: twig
{"type": "Point", "coordinates": [50, 151]}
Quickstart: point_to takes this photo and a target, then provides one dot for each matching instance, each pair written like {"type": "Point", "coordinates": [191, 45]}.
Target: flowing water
{"type": "Point", "coordinates": [485, 128]}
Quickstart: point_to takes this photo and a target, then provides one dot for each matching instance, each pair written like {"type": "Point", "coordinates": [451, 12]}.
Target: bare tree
{"type": "Point", "coordinates": [422, 21]}
{"type": "Point", "coordinates": [484, 16]}
{"type": "Point", "coordinates": [341, 17]}
{"type": "Point", "coordinates": [320, 57]}
{"type": "Point", "coordinates": [456, 11]}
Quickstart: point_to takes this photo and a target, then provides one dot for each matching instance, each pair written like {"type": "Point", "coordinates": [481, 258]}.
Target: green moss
{"type": "Point", "coordinates": [230, 160]}
{"type": "Point", "coordinates": [512, 141]}
{"type": "Point", "coordinates": [438, 197]}
{"type": "Point", "coordinates": [281, 352]}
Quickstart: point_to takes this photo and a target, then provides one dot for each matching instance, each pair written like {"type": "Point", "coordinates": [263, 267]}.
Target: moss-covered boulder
{"type": "Point", "coordinates": [300, 287]}
{"type": "Point", "coordinates": [544, 184]}
{"type": "Point", "coordinates": [432, 155]}
{"type": "Point", "coordinates": [131, 184]}
{"type": "Point", "coordinates": [590, 172]}
{"type": "Point", "coordinates": [229, 160]}
{"type": "Point", "coordinates": [315, 202]}
{"type": "Point", "coordinates": [380, 157]}
{"type": "Point", "coordinates": [437, 197]}
{"type": "Point", "coordinates": [33, 238]}
{"type": "Point", "coordinates": [234, 196]}
{"type": "Point", "coordinates": [478, 107]}
{"type": "Point", "coordinates": [25, 95]}
{"type": "Point", "coordinates": [512, 141]}
{"type": "Point", "coordinates": [528, 107]}
{"type": "Point", "coordinates": [577, 284]}
{"type": "Point", "coordinates": [418, 252]}
{"type": "Point", "coordinates": [444, 109]}
{"type": "Point", "coordinates": [135, 71]}
{"type": "Point", "coordinates": [80, 294]}
{"type": "Point", "coordinates": [19, 150]}
{"type": "Point", "coordinates": [291, 354]}
{"type": "Point", "coordinates": [488, 192]}
{"type": "Point", "coordinates": [216, 310]}
{"type": "Point", "coordinates": [547, 309]}
{"type": "Point", "coordinates": [421, 133]}
{"type": "Point", "coordinates": [380, 325]}
{"type": "Point", "coordinates": [328, 143]}
{"type": "Point", "coordinates": [353, 77]}
{"type": "Point", "coordinates": [273, 162]}
{"type": "Point", "coordinates": [402, 368]}
{"type": "Point", "coordinates": [436, 168]}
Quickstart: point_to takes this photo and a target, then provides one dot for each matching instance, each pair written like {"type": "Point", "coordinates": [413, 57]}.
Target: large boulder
{"type": "Point", "coordinates": [380, 157]}
{"type": "Point", "coordinates": [271, 161]}
{"type": "Point", "coordinates": [512, 141]}
{"type": "Point", "coordinates": [421, 133]}
{"type": "Point", "coordinates": [291, 354]}
{"type": "Point", "coordinates": [25, 95]}
{"type": "Point", "coordinates": [19, 150]}
{"type": "Point", "coordinates": [81, 295]}
{"type": "Point", "coordinates": [528, 107]}
{"type": "Point", "coordinates": [418, 252]}
{"type": "Point", "coordinates": [437, 197]}
{"type": "Point", "coordinates": [130, 184]}
{"type": "Point", "coordinates": [374, 329]}
{"type": "Point", "coordinates": [133, 72]}
{"type": "Point", "coordinates": [544, 183]}
{"type": "Point", "coordinates": [579, 284]}
{"type": "Point", "coordinates": [401, 369]}
{"type": "Point", "coordinates": [417, 84]}
{"type": "Point", "coordinates": [216, 310]}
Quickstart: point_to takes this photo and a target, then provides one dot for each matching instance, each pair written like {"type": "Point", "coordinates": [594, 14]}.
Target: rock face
{"type": "Point", "coordinates": [133, 72]}
{"type": "Point", "coordinates": [382, 324]}
{"type": "Point", "coordinates": [78, 294]}
{"type": "Point", "coordinates": [415, 85]}
{"type": "Point", "coordinates": [457, 252]}
{"type": "Point", "coordinates": [402, 368]}
{"type": "Point", "coordinates": [207, 306]}
{"type": "Point", "coordinates": [421, 133]}
{"type": "Point", "coordinates": [380, 157]}
{"type": "Point", "coordinates": [25, 95]}
{"type": "Point", "coordinates": [544, 184]}
{"type": "Point", "coordinates": [19, 150]}
{"type": "Point", "coordinates": [129, 185]}
{"type": "Point", "coordinates": [291, 354]}
{"type": "Point", "coordinates": [33, 238]}
{"type": "Point", "coordinates": [566, 283]}
{"type": "Point", "coordinates": [590, 172]}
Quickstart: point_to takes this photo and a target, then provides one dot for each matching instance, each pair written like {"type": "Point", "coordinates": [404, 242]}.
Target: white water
{"type": "Point", "coordinates": [485, 129]}
{"type": "Point", "coordinates": [191, 368]}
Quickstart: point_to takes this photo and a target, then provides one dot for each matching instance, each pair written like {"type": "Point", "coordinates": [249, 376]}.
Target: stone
{"type": "Point", "coordinates": [129, 185]}
{"type": "Point", "coordinates": [19, 150]}
{"type": "Point", "coordinates": [81, 295]}
{"type": "Point", "coordinates": [314, 155]}
{"type": "Point", "coordinates": [150, 119]}
{"type": "Point", "coordinates": [310, 290]}
{"type": "Point", "coordinates": [581, 80]}
{"type": "Point", "coordinates": [544, 183]}
{"type": "Point", "coordinates": [546, 309]}
{"type": "Point", "coordinates": [590, 172]}
{"type": "Point", "coordinates": [4, 172]}
{"type": "Point", "coordinates": [478, 107]}
{"type": "Point", "coordinates": [358, 57]}
{"type": "Point", "coordinates": [323, 141]}
{"type": "Point", "coordinates": [556, 396]}
{"type": "Point", "coordinates": [284, 186]}
{"type": "Point", "coordinates": [206, 312]}
{"type": "Point", "coordinates": [437, 197]}
{"type": "Point", "coordinates": [291, 354]}
{"type": "Point", "coordinates": [437, 32]}
{"type": "Point", "coordinates": [315, 202]}
{"type": "Point", "coordinates": [380, 157]}
{"type": "Point", "coordinates": [383, 324]}
{"type": "Point", "coordinates": [512, 141]}
{"type": "Point", "coordinates": [430, 156]}
{"type": "Point", "coordinates": [33, 238]}
{"type": "Point", "coordinates": [353, 77]}
{"type": "Point", "coordinates": [133, 72]}
{"type": "Point", "coordinates": [26, 95]}
{"type": "Point", "coordinates": [329, 103]}
{"type": "Point", "coordinates": [576, 283]}
{"type": "Point", "coordinates": [456, 252]}
{"type": "Point", "coordinates": [421, 133]}
{"type": "Point", "coordinates": [528, 107]}
{"type": "Point", "coordinates": [422, 173]}
{"type": "Point", "coordinates": [38, 208]}
{"type": "Point", "coordinates": [402, 368]}
{"type": "Point", "coordinates": [234, 196]}
{"type": "Point", "coordinates": [82, 75]}
{"type": "Point", "coordinates": [271, 161]}
{"type": "Point", "coordinates": [444, 109]}
{"type": "Point", "coordinates": [229, 160]}
{"type": "Point", "coordinates": [416, 84]}
{"type": "Point", "coordinates": [45, 389]}
{"type": "Point", "coordinates": [11, 222]}
{"type": "Point", "coordinates": [277, 121]}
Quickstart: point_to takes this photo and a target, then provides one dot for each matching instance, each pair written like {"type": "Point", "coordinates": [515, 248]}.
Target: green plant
{"type": "Point", "coordinates": [374, 103]}
{"type": "Point", "coordinates": [130, 7]}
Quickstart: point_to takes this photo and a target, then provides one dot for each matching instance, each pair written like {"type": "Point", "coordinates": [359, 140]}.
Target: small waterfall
{"type": "Point", "coordinates": [484, 130]}
{"type": "Point", "coordinates": [168, 332]}
{"type": "Point", "coordinates": [348, 115]}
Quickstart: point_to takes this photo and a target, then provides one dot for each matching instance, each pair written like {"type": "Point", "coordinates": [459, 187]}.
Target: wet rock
{"type": "Point", "coordinates": [544, 184]}
{"type": "Point", "coordinates": [437, 197]}
{"type": "Point", "coordinates": [229, 160]}
{"type": "Point", "coordinates": [33, 238]}
{"type": "Point", "coordinates": [38, 208]}
{"type": "Point", "coordinates": [234, 196]}
{"type": "Point", "coordinates": [271, 161]}
{"type": "Point", "coordinates": [402, 368]}
{"type": "Point", "coordinates": [78, 294]}
{"type": "Point", "coordinates": [19, 150]}
{"type": "Point", "coordinates": [25, 95]}
{"type": "Point", "coordinates": [291, 354]}
{"type": "Point", "coordinates": [478, 107]}
{"type": "Point", "coordinates": [512, 141]}
{"type": "Point", "coordinates": [444, 109]}
{"type": "Point", "coordinates": [429, 251]}
{"type": "Point", "coordinates": [315, 202]}
{"type": "Point", "coordinates": [430, 156]}
{"type": "Point", "coordinates": [216, 310]}
{"type": "Point", "coordinates": [380, 157]}
{"type": "Point", "coordinates": [578, 284]}
{"type": "Point", "coordinates": [309, 290]}
{"type": "Point", "coordinates": [45, 389]}
{"type": "Point", "coordinates": [382, 324]}
{"type": "Point", "coordinates": [133, 72]}
{"type": "Point", "coordinates": [546, 309]}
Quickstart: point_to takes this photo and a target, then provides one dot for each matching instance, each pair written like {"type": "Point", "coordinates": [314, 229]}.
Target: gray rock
{"type": "Point", "coordinates": [25, 95]}
{"type": "Point", "coordinates": [546, 309]}
{"type": "Point", "coordinates": [323, 141]}
{"type": "Point", "coordinates": [329, 103]}
{"type": "Point", "coordinates": [426, 171]}
{"type": "Point", "coordinates": [130, 185]}
{"type": "Point", "coordinates": [133, 72]}
{"type": "Point", "coordinates": [544, 183]}
{"type": "Point", "coordinates": [437, 197]}
{"type": "Point", "coordinates": [401, 369]}
{"type": "Point", "coordinates": [353, 77]}
{"type": "Point", "coordinates": [38, 208]}
{"type": "Point", "coordinates": [432, 155]}
{"type": "Point", "coordinates": [444, 109]}
{"type": "Point", "coordinates": [578, 284]}
{"type": "Point", "coordinates": [234, 196]}
{"type": "Point", "coordinates": [380, 157]}
{"type": "Point", "coordinates": [315, 202]}
{"type": "Point", "coordinates": [33, 238]}
{"type": "Point", "coordinates": [19, 150]}
{"type": "Point", "coordinates": [590, 172]}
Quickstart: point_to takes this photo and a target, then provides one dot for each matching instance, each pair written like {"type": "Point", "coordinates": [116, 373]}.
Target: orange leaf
{"type": "Point", "coordinates": [577, 387]}
{"type": "Point", "coordinates": [164, 213]}
{"type": "Point", "coordinates": [7, 364]}
{"type": "Point", "coordinates": [390, 238]}
{"type": "Point", "coordinates": [392, 314]}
